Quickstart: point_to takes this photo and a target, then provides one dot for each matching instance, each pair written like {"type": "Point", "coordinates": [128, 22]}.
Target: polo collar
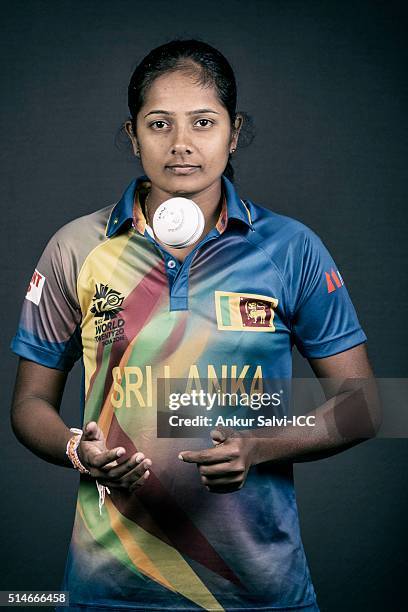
{"type": "Point", "coordinates": [128, 210]}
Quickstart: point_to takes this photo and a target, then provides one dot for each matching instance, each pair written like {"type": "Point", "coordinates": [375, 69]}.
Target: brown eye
{"type": "Point", "coordinates": [157, 123]}
{"type": "Point", "coordinates": [207, 121]}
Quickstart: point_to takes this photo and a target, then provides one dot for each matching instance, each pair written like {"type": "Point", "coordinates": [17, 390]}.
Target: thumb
{"type": "Point", "coordinates": [92, 431]}
{"type": "Point", "coordinates": [218, 435]}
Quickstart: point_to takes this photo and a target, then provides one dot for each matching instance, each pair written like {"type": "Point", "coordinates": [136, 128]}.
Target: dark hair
{"type": "Point", "coordinates": [205, 64]}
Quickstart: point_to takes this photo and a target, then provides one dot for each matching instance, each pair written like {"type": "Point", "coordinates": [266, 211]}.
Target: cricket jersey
{"type": "Point", "coordinates": [106, 292]}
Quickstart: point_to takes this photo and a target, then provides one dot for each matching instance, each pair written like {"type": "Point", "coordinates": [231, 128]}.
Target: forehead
{"type": "Point", "coordinates": [179, 91]}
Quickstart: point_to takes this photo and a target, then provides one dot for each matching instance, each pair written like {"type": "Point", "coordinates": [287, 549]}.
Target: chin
{"type": "Point", "coordinates": [185, 185]}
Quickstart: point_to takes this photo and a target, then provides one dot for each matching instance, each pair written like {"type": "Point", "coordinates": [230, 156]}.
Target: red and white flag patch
{"type": "Point", "coordinates": [35, 287]}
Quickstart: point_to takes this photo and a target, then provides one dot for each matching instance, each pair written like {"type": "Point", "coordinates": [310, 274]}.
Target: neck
{"type": "Point", "coordinates": [209, 200]}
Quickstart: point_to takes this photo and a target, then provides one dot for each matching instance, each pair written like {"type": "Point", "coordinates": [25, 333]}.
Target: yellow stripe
{"type": "Point", "coordinates": [92, 269]}
{"type": "Point", "coordinates": [160, 561]}
{"type": "Point", "coordinates": [235, 313]}
{"type": "Point", "coordinates": [133, 550]}
{"type": "Point", "coordinates": [187, 353]}
{"type": "Point", "coordinates": [248, 212]}
{"type": "Point", "coordinates": [106, 414]}
{"type": "Point", "coordinates": [114, 274]}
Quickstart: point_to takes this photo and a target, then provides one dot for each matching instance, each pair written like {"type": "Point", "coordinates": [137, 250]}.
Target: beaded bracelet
{"type": "Point", "coordinates": [72, 453]}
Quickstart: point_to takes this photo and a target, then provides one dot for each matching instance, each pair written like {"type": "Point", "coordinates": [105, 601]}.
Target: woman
{"type": "Point", "coordinates": [222, 534]}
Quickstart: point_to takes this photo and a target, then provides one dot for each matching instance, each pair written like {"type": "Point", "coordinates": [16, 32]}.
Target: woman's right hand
{"type": "Point", "coordinates": [105, 465]}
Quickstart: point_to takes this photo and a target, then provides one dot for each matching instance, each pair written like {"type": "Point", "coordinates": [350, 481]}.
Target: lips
{"type": "Point", "coordinates": [182, 169]}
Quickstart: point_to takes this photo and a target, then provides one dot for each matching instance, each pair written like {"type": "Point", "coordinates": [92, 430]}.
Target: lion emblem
{"type": "Point", "coordinates": [255, 311]}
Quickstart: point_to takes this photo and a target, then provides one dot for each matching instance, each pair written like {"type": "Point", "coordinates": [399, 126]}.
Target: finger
{"type": "Point", "coordinates": [109, 466]}
{"type": "Point", "coordinates": [207, 456]}
{"type": "Point", "coordinates": [221, 480]}
{"type": "Point", "coordinates": [118, 462]}
{"type": "Point", "coordinates": [217, 470]}
{"type": "Point", "coordinates": [117, 469]}
{"type": "Point", "coordinates": [105, 457]}
{"type": "Point", "coordinates": [218, 435]}
{"type": "Point", "coordinates": [121, 461]}
{"type": "Point", "coordinates": [196, 457]}
{"type": "Point", "coordinates": [140, 482]}
{"type": "Point", "coordinates": [129, 478]}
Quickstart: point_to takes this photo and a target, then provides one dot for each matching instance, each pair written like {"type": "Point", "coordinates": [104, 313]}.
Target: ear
{"type": "Point", "coordinates": [129, 131]}
{"type": "Point", "coordinates": [239, 120]}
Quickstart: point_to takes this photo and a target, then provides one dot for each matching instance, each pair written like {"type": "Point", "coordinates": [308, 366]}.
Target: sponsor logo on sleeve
{"type": "Point", "coordinates": [34, 289]}
{"type": "Point", "coordinates": [333, 280]}
{"type": "Point", "coordinates": [245, 311]}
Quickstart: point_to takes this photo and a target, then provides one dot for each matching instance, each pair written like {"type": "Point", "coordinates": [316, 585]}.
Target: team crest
{"type": "Point", "coordinates": [244, 311]}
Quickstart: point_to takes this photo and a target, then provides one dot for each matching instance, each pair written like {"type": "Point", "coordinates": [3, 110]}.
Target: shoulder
{"type": "Point", "coordinates": [277, 233]}
{"type": "Point", "coordinates": [292, 247]}
{"type": "Point", "coordinates": [88, 228]}
{"type": "Point", "coordinates": [70, 245]}
{"type": "Point", "coordinates": [73, 241]}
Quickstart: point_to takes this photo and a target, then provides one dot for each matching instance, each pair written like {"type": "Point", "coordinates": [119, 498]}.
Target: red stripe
{"type": "Point", "coordinates": [175, 338]}
{"type": "Point", "coordinates": [330, 286]}
{"type": "Point", "coordinates": [156, 511]}
{"type": "Point", "coordinates": [148, 291]}
{"type": "Point", "coordinates": [138, 308]}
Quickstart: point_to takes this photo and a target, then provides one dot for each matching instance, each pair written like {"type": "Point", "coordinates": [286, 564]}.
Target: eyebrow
{"type": "Point", "coordinates": [194, 112]}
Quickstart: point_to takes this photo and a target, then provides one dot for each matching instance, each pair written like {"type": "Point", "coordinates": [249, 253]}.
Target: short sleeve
{"type": "Point", "coordinates": [49, 326]}
{"type": "Point", "coordinates": [324, 320]}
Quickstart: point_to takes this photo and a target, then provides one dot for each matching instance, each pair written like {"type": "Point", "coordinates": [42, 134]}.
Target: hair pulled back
{"type": "Point", "coordinates": [207, 67]}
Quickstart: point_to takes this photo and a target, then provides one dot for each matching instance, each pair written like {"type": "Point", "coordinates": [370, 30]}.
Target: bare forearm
{"type": "Point", "coordinates": [39, 427]}
{"type": "Point", "coordinates": [340, 423]}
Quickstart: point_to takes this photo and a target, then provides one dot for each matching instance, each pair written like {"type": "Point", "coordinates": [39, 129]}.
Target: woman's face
{"type": "Point", "coordinates": [183, 123]}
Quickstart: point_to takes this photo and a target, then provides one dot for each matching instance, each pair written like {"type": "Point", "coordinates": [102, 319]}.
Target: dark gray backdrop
{"type": "Point", "coordinates": [326, 85]}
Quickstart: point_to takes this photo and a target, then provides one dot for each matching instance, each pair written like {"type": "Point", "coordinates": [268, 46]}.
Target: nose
{"type": "Point", "coordinates": [181, 142]}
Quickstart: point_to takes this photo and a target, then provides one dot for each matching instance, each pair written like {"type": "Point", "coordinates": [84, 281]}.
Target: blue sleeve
{"type": "Point", "coordinates": [324, 321]}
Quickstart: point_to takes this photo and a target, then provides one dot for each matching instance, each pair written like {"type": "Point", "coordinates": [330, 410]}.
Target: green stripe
{"type": "Point", "coordinates": [225, 310]}
{"type": "Point", "coordinates": [94, 401]}
{"type": "Point", "coordinates": [100, 526]}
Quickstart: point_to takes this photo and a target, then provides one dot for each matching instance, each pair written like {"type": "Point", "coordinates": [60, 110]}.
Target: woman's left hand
{"type": "Point", "coordinates": [224, 468]}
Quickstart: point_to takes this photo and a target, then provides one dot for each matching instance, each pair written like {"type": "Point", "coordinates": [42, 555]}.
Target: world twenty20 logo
{"type": "Point", "coordinates": [106, 302]}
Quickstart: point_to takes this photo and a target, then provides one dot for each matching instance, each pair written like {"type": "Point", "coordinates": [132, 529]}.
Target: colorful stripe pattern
{"type": "Point", "coordinates": [107, 295]}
